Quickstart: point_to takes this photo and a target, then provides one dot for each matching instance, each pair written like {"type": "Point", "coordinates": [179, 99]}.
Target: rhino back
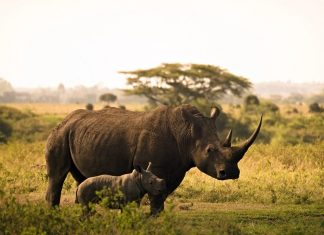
{"type": "Point", "coordinates": [103, 142]}
{"type": "Point", "coordinates": [107, 141]}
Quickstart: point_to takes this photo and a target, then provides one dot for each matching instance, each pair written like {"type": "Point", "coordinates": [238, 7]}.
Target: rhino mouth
{"type": "Point", "coordinates": [227, 177]}
{"type": "Point", "coordinates": [222, 175]}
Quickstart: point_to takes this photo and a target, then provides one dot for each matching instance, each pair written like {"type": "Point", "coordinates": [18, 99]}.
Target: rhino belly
{"type": "Point", "coordinates": [95, 153]}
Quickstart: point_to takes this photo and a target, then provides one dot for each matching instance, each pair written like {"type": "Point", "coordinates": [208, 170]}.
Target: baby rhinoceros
{"type": "Point", "coordinates": [133, 186]}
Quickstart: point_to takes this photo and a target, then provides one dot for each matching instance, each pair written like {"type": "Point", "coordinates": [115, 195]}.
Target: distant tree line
{"type": "Point", "coordinates": [79, 94]}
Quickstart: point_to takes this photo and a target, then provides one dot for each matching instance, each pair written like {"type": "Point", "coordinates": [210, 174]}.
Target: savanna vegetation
{"type": "Point", "coordinates": [280, 190]}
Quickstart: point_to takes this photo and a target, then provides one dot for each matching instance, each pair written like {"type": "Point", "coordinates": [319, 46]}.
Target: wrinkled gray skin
{"type": "Point", "coordinates": [133, 186]}
{"type": "Point", "coordinates": [112, 141]}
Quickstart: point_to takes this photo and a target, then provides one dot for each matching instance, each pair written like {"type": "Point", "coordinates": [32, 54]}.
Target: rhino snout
{"type": "Point", "coordinates": [161, 187]}
{"type": "Point", "coordinates": [227, 174]}
{"type": "Point", "coordinates": [222, 174]}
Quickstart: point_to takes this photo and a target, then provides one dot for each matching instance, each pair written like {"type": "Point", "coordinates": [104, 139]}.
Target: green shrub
{"type": "Point", "coordinates": [33, 129]}
{"type": "Point", "coordinates": [12, 114]}
{"type": "Point", "coordinates": [300, 129]}
{"type": "Point", "coordinates": [5, 131]}
{"type": "Point", "coordinates": [30, 218]}
{"type": "Point", "coordinates": [26, 126]}
{"type": "Point", "coordinates": [89, 106]}
{"type": "Point", "coordinates": [315, 108]}
{"type": "Point", "coordinates": [251, 100]}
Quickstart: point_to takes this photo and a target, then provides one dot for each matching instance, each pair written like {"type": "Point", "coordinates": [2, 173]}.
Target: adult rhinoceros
{"type": "Point", "coordinates": [111, 141]}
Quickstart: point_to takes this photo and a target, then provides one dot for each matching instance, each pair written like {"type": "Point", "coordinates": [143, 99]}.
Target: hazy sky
{"type": "Point", "coordinates": [47, 42]}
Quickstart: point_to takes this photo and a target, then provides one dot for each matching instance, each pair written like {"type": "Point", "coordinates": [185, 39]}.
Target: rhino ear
{"type": "Point", "coordinates": [214, 112]}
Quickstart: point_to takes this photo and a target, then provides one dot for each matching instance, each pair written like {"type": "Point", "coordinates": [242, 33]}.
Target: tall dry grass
{"type": "Point", "coordinates": [63, 109]}
{"type": "Point", "coordinates": [269, 174]}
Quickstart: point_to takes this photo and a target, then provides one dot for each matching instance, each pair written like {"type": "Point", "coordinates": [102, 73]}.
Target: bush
{"type": "Point", "coordinates": [29, 218]}
{"type": "Point", "coordinates": [34, 128]}
{"type": "Point", "coordinates": [12, 114]}
{"type": "Point", "coordinates": [5, 131]}
{"type": "Point", "coordinates": [27, 126]}
{"type": "Point", "coordinates": [301, 130]}
{"type": "Point", "coordinates": [271, 107]}
{"type": "Point", "coordinates": [251, 100]}
{"type": "Point", "coordinates": [89, 107]}
{"type": "Point", "coordinates": [315, 108]}
{"type": "Point", "coordinates": [122, 107]}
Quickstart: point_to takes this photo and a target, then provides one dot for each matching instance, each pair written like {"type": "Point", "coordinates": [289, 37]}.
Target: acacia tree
{"type": "Point", "coordinates": [175, 84]}
{"type": "Point", "coordinates": [108, 98]}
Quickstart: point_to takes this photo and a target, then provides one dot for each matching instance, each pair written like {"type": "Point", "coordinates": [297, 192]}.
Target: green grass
{"type": "Point", "coordinates": [197, 218]}
{"type": "Point", "coordinates": [208, 218]}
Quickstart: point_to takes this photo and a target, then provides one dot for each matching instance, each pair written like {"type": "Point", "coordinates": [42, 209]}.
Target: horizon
{"type": "Point", "coordinates": [103, 86]}
{"type": "Point", "coordinates": [46, 43]}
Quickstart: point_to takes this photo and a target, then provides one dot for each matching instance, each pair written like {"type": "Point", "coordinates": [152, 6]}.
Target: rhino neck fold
{"type": "Point", "coordinates": [181, 132]}
{"type": "Point", "coordinates": [138, 182]}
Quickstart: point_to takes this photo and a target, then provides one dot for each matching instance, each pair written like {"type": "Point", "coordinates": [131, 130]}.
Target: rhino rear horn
{"type": "Point", "coordinates": [228, 140]}
{"type": "Point", "coordinates": [238, 152]}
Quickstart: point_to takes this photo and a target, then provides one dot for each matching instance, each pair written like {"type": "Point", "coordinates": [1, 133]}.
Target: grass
{"type": "Point", "coordinates": [269, 174]}
{"type": "Point", "coordinates": [280, 191]}
{"type": "Point", "coordinates": [199, 218]}
{"type": "Point", "coordinates": [62, 110]}
{"type": "Point", "coordinates": [247, 218]}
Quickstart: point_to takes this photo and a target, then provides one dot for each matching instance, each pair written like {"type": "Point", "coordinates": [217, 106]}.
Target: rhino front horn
{"type": "Point", "coordinates": [238, 152]}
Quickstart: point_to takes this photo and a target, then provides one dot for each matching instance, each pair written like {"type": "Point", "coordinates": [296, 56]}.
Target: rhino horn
{"type": "Point", "coordinates": [228, 140]}
{"type": "Point", "coordinates": [149, 167]}
{"type": "Point", "coordinates": [214, 112]}
{"type": "Point", "coordinates": [238, 152]}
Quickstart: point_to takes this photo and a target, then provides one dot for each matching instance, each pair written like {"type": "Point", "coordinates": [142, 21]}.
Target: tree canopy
{"type": "Point", "coordinates": [108, 97]}
{"type": "Point", "coordinates": [175, 84]}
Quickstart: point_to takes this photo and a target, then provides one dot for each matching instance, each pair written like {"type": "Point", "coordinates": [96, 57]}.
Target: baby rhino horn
{"type": "Point", "coordinates": [149, 167]}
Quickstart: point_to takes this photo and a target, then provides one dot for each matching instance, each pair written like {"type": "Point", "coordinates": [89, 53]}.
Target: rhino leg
{"type": "Point", "coordinates": [58, 164]}
{"type": "Point", "coordinates": [53, 194]}
{"type": "Point", "coordinates": [156, 204]}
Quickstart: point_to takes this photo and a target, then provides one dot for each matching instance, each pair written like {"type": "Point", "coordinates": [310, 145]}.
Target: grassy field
{"type": "Point", "coordinates": [280, 191]}
{"type": "Point", "coordinates": [62, 109]}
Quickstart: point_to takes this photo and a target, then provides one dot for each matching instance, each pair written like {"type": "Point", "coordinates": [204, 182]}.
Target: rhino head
{"type": "Point", "coordinates": [218, 159]}
{"type": "Point", "coordinates": [150, 182]}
